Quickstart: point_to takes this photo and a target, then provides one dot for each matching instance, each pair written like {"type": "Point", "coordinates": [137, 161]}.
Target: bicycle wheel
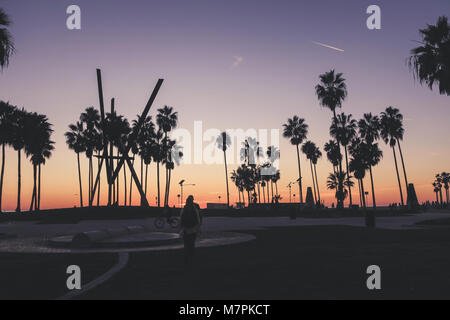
{"type": "Point", "coordinates": [159, 223]}
{"type": "Point", "coordinates": [174, 222]}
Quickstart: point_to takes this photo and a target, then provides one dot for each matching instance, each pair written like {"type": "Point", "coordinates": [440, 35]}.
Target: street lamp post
{"type": "Point", "coordinates": [181, 183]}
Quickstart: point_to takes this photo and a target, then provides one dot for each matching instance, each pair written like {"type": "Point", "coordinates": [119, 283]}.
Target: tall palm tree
{"type": "Point", "coordinates": [6, 130]}
{"type": "Point", "coordinates": [296, 131]}
{"type": "Point", "coordinates": [145, 146]}
{"type": "Point", "coordinates": [391, 130]}
{"type": "Point", "coordinates": [76, 141]}
{"type": "Point", "coordinates": [6, 41]}
{"type": "Point", "coordinates": [438, 184]}
{"type": "Point", "coordinates": [237, 179]}
{"type": "Point", "coordinates": [343, 129]}
{"type": "Point", "coordinates": [116, 130]}
{"type": "Point", "coordinates": [167, 120]}
{"type": "Point", "coordinates": [273, 154]}
{"type": "Point", "coordinates": [359, 163]}
{"type": "Point", "coordinates": [91, 119]}
{"type": "Point", "coordinates": [331, 92]}
{"type": "Point", "coordinates": [38, 147]}
{"type": "Point", "coordinates": [309, 149]}
{"type": "Point", "coordinates": [430, 62]}
{"type": "Point", "coordinates": [223, 142]}
{"type": "Point", "coordinates": [19, 132]}
{"type": "Point", "coordinates": [369, 130]}
{"type": "Point", "coordinates": [317, 154]}
{"type": "Point", "coordinates": [445, 177]}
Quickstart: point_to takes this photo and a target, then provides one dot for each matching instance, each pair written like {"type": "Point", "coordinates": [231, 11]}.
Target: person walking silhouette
{"type": "Point", "coordinates": [190, 222]}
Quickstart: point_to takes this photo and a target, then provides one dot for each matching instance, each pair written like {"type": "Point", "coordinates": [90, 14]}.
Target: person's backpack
{"type": "Point", "coordinates": [189, 218]}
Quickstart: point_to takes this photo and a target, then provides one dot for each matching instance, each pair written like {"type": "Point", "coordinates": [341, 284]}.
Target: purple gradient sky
{"type": "Point", "coordinates": [192, 44]}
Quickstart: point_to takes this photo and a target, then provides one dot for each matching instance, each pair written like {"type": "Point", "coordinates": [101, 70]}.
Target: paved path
{"type": "Point", "coordinates": [33, 229]}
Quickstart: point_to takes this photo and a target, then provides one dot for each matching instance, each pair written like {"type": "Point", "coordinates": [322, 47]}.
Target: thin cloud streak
{"type": "Point", "coordinates": [327, 46]}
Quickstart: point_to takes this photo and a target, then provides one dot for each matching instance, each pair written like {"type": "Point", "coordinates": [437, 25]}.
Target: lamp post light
{"type": "Point", "coordinates": [182, 183]}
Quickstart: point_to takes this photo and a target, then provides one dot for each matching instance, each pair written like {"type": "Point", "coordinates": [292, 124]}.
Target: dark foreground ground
{"type": "Point", "coordinates": [327, 262]}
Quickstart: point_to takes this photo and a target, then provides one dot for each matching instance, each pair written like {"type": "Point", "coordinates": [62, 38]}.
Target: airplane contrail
{"type": "Point", "coordinates": [328, 46]}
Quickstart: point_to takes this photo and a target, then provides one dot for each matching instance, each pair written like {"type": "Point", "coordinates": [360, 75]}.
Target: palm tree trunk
{"type": "Point", "coordinates": [437, 199]}
{"type": "Point", "coordinates": [118, 181]}
{"type": "Point", "coordinates": [99, 179]}
{"type": "Point", "coordinates": [374, 204]}
{"type": "Point", "coordinates": [348, 177]}
{"type": "Point", "coordinates": [314, 184]}
{"type": "Point", "coordinates": [168, 186]}
{"type": "Point", "coordinates": [146, 179]}
{"type": "Point", "coordinates": [363, 193]}
{"type": "Point", "coordinates": [440, 196]}
{"type": "Point", "coordinates": [1, 175]}
{"type": "Point", "coordinates": [90, 181]}
{"type": "Point", "coordinates": [226, 178]}
{"type": "Point", "coordinates": [317, 183]}
{"type": "Point", "coordinates": [398, 177]}
{"type": "Point", "coordinates": [271, 189]}
{"type": "Point", "coordinates": [239, 194]}
{"type": "Point", "coordinates": [404, 172]}
{"type": "Point", "coordinates": [19, 181]}
{"type": "Point", "coordinates": [33, 196]}
{"type": "Point", "coordinates": [259, 193]}
{"type": "Point", "coordinates": [359, 187]}
{"type": "Point", "coordinates": [79, 180]}
{"type": "Point", "coordinates": [125, 186]}
{"type": "Point", "coordinates": [299, 176]}
{"type": "Point", "coordinates": [157, 174]}
{"type": "Point", "coordinates": [39, 188]}
{"type": "Point", "coordinates": [131, 185]}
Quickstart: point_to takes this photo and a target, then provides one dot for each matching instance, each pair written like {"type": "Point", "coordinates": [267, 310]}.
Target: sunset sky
{"type": "Point", "coordinates": [230, 64]}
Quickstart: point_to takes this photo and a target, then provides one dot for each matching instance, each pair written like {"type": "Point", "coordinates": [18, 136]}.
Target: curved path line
{"type": "Point", "coordinates": [123, 261]}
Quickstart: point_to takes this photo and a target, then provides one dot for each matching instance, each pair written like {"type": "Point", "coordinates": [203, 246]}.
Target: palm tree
{"type": "Point", "coordinates": [369, 130]}
{"type": "Point", "coordinates": [296, 131]}
{"type": "Point", "coordinates": [76, 141]}
{"type": "Point", "coordinates": [6, 41]}
{"type": "Point", "coordinates": [19, 132]}
{"type": "Point", "coordinates": [273, 154]}
{"type": "Point", "coordinates": [309, 149]}
{"type": "Point", "coordinates": [333, 154]}
{"type": "Point", "coordinates": [38, 147]}
{"type": "Point", "coordinates": [436, 191]}
{"type": "Point", "coordinates": [445, 177]}
{"type": "Point", "coordinates": [158, 156]}
{"type": "Point", "coordinates": [116, 130]}
{"type": "Point", "coordinates": [343, 129]}
{"type": "Point", "coordinates": [236, 178]}
{"type": "Point", "coordinates": [331, 92]}
{"type": "Point", "coordinates": [391, 131]}
{"type": "Point", "coordinates": [430, 62]}
{"type": "Point", "coordinates": [223, 142]}
{"type": "Point", "coordinates": [145, 146]}
{"type": "Point", "coordinates": [6, 130]}
{"type": "Point", "coordinates": [167, 120]}
{"type": "Point", "coordinates": [359, 163]}
{"type": "Point", "coordinates": [335, 181]}
{"type": "Point", "coordinates": [316, 155]}
{"type": "Point", "coordinates": [91, 118]}
{"type": "Point", "coordinates": [438, 183]}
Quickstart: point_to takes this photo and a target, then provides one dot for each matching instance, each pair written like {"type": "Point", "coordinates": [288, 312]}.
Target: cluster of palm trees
{"type": "Point", "coordinates": [29, 132]}
{"type": "Point", "coordinates": [90, 135]}
{"type": "Point", "coordinates": [357, 138]}
{"type": "Point", "coordinates": [258, 178]}
{"type": "Point", "coordinates": [442, 180]}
